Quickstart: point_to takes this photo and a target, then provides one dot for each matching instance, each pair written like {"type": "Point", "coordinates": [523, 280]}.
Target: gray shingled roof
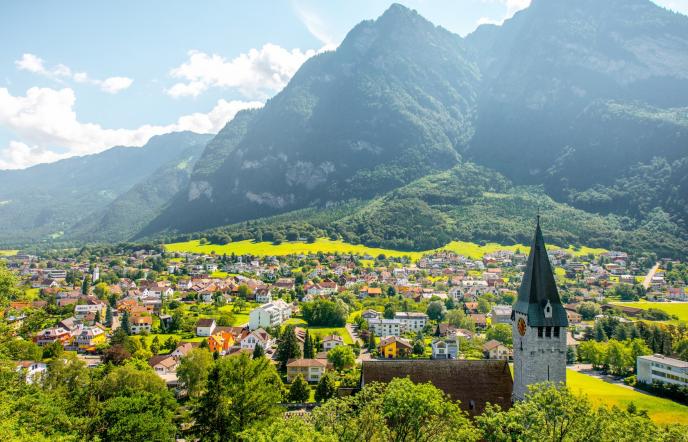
{"type": "Point", "coordinates": [538, 287]}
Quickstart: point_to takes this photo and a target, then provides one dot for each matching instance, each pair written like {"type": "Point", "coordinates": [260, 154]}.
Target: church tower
{"type": "Point", "coordinates": [538, 324]}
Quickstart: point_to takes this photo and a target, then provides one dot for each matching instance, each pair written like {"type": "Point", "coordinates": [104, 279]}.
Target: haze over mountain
{"type": "Point", "coordinates": [47, 200]}
{"type": "Point", "coordinates": [409, 136]}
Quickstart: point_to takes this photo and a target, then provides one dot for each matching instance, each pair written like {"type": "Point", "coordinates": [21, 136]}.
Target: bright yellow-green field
{"type": "Point", "coordinates": [8, 252]}
{"type": "Point", "coordinates": [679, 309]}
{"type": "Point", "coordinates": [468, 249]}
{"type": "Point", "coordinates": [662, 411]}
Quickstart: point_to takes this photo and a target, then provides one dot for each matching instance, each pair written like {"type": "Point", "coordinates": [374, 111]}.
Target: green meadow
{"type": "Point", "coordinates": [680, 309]}
{"type": "Point", "coordinates": [662, 411]}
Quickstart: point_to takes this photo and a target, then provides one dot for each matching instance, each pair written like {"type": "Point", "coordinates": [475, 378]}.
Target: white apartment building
{"type": "Point", "coordinates": [385, 327]}
{"type": "Point", "coordinates": [269, 315]}
{"type": "Point", "coordinates": [661, 368]}
{"type": "Point", "coordinates": [412, 321]}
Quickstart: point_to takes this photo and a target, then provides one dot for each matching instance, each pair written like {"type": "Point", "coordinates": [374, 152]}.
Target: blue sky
{"type": "Point", "coordinates": [78, 77]}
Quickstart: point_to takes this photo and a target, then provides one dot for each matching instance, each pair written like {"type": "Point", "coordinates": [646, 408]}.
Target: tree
{"type": "Point", "coordinates": [308, 351]}
{"type": "Point", "coordinates": [501, 333]}
{"type": "Point", "coordinates": [287, 430]}
{"type": "Point", "coordinates": [372, 346]}
{"type": "Point", "coordinates": [116, 354]}
{"type": "Point", "coordinates": [398, 411]}
{"type": "Point", "coordinates": [341, 357]}
{"type": "Point", "coordinates": [599, 332]}
{"type": "Point", "coordinates": [323, 312]}
{"type": "Point", "coordinates": [9, 285]}
{"type": "Point", "coordinates": [243, 291]}
{"type": "Point", "coordinates": [155, 345]}
{"type": "Point", "coordinates": [588, 310]}
{"type": "Point", "coordinates": [326, 389]}
{"type": "Point", "coordinates": [124, 323]}
{"type": "Point", "coordinates": [436, 310]}
{"type": "Point", "coordinates": [457, 318]}
{"type": "Point", "coordinates": [97, 319]}
{"type": "Point", "coordinates": [193, 371]}
{"type": "Point", "coordinates": [108, 316]}
{"type": "Point", "coordinates": [619, 357]}
{"type": "Point", "coordinates": [241, 392]}
{"type": "Point", "coordinates": [139, 417]}
{"type": "Point", "coordinates": [299, 390]}
{"type": "Point", "coordinates": [258, 352]}
{"type": "Point", "coordinates": [288, 347]}
{"type": "Point", "coordinates": [86, 284]}
{"type": "Point", "coordinates": [418, 347]}
{"type": "Point", "coordinates": [389, 311]}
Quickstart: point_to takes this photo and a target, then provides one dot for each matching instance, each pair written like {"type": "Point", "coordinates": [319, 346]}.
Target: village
{"type": "Point", "coordinates": [325, 318]}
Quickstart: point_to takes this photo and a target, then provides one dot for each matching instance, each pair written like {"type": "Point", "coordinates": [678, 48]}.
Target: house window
{"type": "Point", "coordinates": [556, 332]}
{"type": "Point", "coordinates": [539, 332]}
{"type": "Point", "coordinates": [548, 332]}
{"type": "Point", "coordinates": [471, 404]}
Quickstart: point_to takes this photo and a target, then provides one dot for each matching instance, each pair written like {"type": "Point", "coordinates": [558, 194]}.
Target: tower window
{"type": "Point", "coordinates": [548, 332]}
{"type": "Point", "coordinates": [539, 332]}
{"type": "Point", "coordinates": [471, 404]}
{"type": "Point", "coordinates": [556, 332]}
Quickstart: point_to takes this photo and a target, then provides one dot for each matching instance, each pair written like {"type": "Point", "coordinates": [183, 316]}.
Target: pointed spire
{"type": "Point", "coordinates": [538, 296]}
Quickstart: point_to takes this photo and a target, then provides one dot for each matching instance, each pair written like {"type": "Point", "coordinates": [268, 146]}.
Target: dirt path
{"type": "Point", "coordinates": [648, 278]}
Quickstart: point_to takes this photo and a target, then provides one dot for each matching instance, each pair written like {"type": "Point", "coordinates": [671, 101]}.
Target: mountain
{"type": "Point", "coordinates": [585, 96]}
{"type": "Point", "coordinates": [46, 200]}
{"type": "Point", "coordinates": [385, 108]}
{"type": "Point", "coordinates": [408, 136]}
{"type": "Point", "coordinates": [134, 209]}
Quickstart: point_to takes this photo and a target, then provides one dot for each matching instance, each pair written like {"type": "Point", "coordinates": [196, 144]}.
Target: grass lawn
{"type": "Point", "coordinates": [321, 331]}
{"type": "Point", "coordinates": [468, 249]}
{"type": "Point", "coordinates": [662, 411]}
{"type": "Point", "coordinates": [679, 309]}
{"type": "Point", "coordinates": [8, 252]}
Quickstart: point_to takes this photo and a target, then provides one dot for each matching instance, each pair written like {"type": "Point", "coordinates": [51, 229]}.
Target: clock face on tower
{"type": "Point", "coordinates": [521, 326]}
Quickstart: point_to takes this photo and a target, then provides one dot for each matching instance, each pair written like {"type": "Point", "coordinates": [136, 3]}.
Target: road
{"type": "Point", "coordinates": [648, 278]}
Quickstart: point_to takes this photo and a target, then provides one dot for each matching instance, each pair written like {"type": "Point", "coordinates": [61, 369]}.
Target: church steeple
{"type": "Point", "coordinates": [538, 297]}
{"type": "Point", "coordinates": [539, 324]}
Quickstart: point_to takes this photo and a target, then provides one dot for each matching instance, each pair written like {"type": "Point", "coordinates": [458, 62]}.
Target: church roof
{"type": "Point", "coordinates": [472, 382]}
{"type": "Point", "coordinates": [538, 288]}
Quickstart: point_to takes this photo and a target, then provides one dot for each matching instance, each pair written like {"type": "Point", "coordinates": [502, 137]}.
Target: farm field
{"type": "Point", "coordinates": [679, 309]}
{"type": "Point", "coordinates": [8, 252]}
{"type": "Point", "coordinates": [468, 249]}
{"type": "Point", "coordinates": [662, 411]}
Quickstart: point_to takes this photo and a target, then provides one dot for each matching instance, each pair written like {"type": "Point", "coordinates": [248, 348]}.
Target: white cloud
{"type": "Point", "coordinates": [33, 63]}
{"type": "Point", "coordinates": [511, 7]}
{"type": "Point", "coordinates": [316, 26]}
{"type": "Point", "coordinates": [113, 85]}
{"type": "Point", "coordinates": [44, 120]}
{"type": "Point", "coordinates": [256, 74]}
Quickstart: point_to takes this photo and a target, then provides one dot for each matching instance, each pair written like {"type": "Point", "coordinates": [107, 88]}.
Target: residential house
{"type": "Point", "coordinates": [221, 342]}
{"type": "Point", "coordinates": [263, 295]}
{"type": "Point", "coordinates": [54, 334]}
{"type": "Point", "coordinates": [445, 348]}
{"type": "Point", "coordinates": [394, 347]}
{"type": "Point", "coordinates": [501, 314]}
{"type": "Point", "coordinates": [312, 370]}
{"type": "Point", "coordinates": [205, 327]}
{"type": "Point", "coordinates": [31, 370]}
{"type": "Point", "coordinates": [496, 350]}
{"type": "Point", "coordinates": [140, 324]}
{"type": "Point", "coordinates": [332, 341]}
{"type": "Point", "coordinates": [370, 314]}
{"type": "Point", "coordinates": [164, 364]}
{"type": "Point", "coordinates": [257, 337]}
{"type": "Point", "coordinates": [90, 338]}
